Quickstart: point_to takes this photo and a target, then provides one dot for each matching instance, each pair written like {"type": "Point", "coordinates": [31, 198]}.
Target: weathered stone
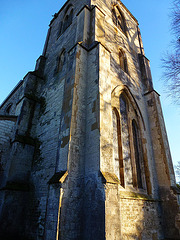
{"type": "Point", "coordinates": [83, 147]}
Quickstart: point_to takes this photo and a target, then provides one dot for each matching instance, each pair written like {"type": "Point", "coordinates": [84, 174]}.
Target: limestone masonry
{"type": "Point", "coordinates": [84, 153]}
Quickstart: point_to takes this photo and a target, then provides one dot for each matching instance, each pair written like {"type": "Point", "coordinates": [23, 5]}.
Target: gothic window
{"type": "Point", "coordinates": [65, 23]}
{"type": "Point", "coordinates": [130, 165]}
{"type": "Point", "coordinates": [137, 153]}
{"type": "Point", "coordinates": [67, 20]}
{"type": "Point", "coordinates": [123, 110]}
{"type": "Point", "coordinates": [123, 61]}
{"type": "Point", "coordinates": [119, 19]}
{"type": "Point", "coordinates": [60, 62]}
{"type": "Point", "coordinates": [70, 17]}
{"type": "Point", "coordinates": [8, 109]}
{"type": "Point", "coordinates": [118, 160]}
{"type": "Point", "coordinates": [125, 140]}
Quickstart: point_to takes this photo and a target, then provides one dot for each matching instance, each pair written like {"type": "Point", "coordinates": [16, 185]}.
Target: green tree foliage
{"type": "Point", "coordinates": [171, 60]}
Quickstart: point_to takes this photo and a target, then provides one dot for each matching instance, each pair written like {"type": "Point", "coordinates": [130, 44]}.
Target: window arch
{"type": "Point", "coordinates": [123, 60]}
{"type": "Point", "coordinates": [137, 153]}
{"type": "Point", "coordinates": [71, 16]}
{"type": "Point", "coordinates": [133, 149]}
{"type": "Point", "coordinates": [60, 61]}
{"type": "Point", "coordinates": [8, 109]}
{"type": "Point", "coordinates": [126, 154]}
{"type": "Point", "coordinates": [67, 20]}
{"type": "Point", "coordinates": [117, 151]}
{"type": "Point", "coordinates": [119, 19]}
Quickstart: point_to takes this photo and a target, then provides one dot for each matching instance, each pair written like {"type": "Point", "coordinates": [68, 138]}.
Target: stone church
{"type": "Point", "coordinates": [84, 153]}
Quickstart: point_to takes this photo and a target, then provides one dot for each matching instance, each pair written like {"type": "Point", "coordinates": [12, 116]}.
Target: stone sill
{"type": "Point", "coordinates": [136, 196]}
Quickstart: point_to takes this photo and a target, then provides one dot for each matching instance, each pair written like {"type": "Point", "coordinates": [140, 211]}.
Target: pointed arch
{"type": "Point", "coordinates": [123, 60]}
{"type": "Point", "coordinates": [132, 135]}
{"type": "Point", "coordinates": [67, 20]}
{"type": "Point", "coordinates": [118, 18]}
{"type": "Point", "coordinates": [8, 109]}
{"type": "Point", "coordinates": [60, 61]}
{"type": "Point", "coordinates": [118, 90]}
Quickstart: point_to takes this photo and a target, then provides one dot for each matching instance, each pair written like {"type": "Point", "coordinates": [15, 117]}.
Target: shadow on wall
{"type": "Point", "coordinates": [77, 209]}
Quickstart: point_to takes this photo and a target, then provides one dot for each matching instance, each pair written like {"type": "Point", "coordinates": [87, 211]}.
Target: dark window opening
{"type": "Point", "coordinates": [118, 158]}
{"type": "Point", "coordinates": [8, 109]}
{"type": "Point", "coordinates": [119, 19]}
{"type": "Point", "coordinates": [67, 21]}
{"type": "Point", "coordinates": [61, 61]}
{"type": "Point", "coordinates": [123, 61]}
{"type": "Point", "coordinates": [126, 153]}
{"type": "Point", "coordinates": [137, 153]}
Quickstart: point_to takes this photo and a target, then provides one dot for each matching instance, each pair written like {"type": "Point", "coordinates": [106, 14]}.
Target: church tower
{"type": "Point", "coordinates": [84, 153]}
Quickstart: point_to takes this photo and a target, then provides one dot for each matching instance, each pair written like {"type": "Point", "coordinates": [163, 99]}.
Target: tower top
{"type": "Point", "coordinates": [91, 3]}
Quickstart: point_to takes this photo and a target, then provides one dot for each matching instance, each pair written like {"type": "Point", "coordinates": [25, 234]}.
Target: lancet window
{"type": "Point", "coordinates": [123, 61]}
{"type": "Point", "coordinates": [118, 159]}
{"type": "Point", "coordinates": [127, 145]}
{"type": "Point", "coordinates": [8, 109]}
{"type": "Point", "coordinates": [60, 61]}
{"type": "Point", "coordinates": [118, 18]}
{"type": "Point", "coordinates": [67, 20]}
{"type": "Point", "coordinates": [137, 153]}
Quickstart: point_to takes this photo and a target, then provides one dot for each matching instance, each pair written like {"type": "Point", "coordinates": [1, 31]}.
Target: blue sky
{"type": "Point", "coordinates": [23, 29]}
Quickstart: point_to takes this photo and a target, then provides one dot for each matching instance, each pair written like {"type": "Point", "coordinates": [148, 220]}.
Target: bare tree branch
{"type": "Point", "coordinates": [171, 60]}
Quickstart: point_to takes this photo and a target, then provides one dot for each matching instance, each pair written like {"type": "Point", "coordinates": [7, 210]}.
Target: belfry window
{"type": "Point", "coordinates": [119, 19]}
{"type": "Point", "coordinates": [123, 61]}
{"type": "Point", "coordinates": [67, 20]}
{"type": "Point", "coordinates": [8, 109]}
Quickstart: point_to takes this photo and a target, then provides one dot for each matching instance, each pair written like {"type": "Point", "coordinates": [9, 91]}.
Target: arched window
{"type": "Point", "coordinates": [123, 61]}
{"type": "Point", "coordinates": [67, 20]}
{"type": "Point", "coordinates": [137, 153]}
{"type": "Point", "coordinates": [117, 153]}
{"type": "Point", "coordinates": [70, 16]}
{"type": "Point", "coordinates": [125, 140]}
{"type": "Point", "coordinates": [61, 61]}
{"type": "Point", "coordinates": [128, 147]}
{"type": "Point", "coordinates": [65, 23]}
{"type": "Point", "coordinates": [8, 109]}
{"type": "Point", "coordinates": [118, 19]}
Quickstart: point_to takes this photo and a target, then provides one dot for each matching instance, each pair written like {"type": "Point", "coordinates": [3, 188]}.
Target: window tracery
{"type": "Point", "coordinates": [118, 18]}
{"type": "Point", "coordinates": [67, 20]}
{"type": "Point", "coordinates": [127, 145]}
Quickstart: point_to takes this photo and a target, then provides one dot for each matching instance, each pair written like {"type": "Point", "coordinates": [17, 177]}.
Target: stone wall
{"type": "Point", "coordinates": [6, 130]}
{"type": "Point", "coordinates": [60, 164]}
